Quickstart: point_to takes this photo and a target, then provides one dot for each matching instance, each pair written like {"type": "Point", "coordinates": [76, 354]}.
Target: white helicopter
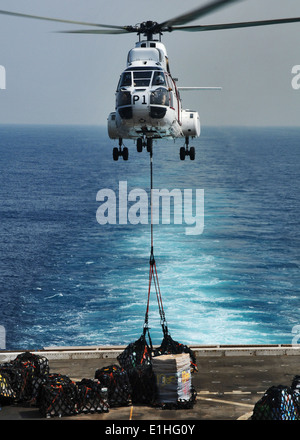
{"type": "Point", "coordinates": [148, 104]}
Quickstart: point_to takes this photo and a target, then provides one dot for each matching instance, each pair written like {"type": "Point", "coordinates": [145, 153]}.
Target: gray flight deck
{"type": "Point", "coordinates": [230, 380]}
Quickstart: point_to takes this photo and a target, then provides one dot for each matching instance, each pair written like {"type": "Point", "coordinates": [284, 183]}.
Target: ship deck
{"type": "Point", "coordinates": [230, 380]}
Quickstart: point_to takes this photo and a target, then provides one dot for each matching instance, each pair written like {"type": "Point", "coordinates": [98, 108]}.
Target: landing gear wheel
{"type": "Point", "coordinates": [115, 153]}
{"type": "Point", "coordinates": [149, 144]}
{"type": "Point", "coordinates": [192, 153]}
{"type": "Point", "coordinates": [186, 151]}
{"type": "Point", "coordinates": [139, 145]}
{"type": "Point", "coordinates": [125, 153]}
{"type": "Point", "coordinates": [118, 152]}
{"type": "Point", "coordinates": [182, 153]}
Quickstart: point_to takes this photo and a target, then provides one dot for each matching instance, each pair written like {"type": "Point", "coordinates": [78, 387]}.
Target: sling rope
{"type": "Point", "coordinates": [153, 270]}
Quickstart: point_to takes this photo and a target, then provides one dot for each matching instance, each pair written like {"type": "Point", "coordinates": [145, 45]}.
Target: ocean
{"type": "Point", "coordinates": [67, 280]}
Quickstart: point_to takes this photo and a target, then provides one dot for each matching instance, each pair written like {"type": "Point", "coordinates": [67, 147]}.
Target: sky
{"type": "Point", "coordinates": [56, 78]}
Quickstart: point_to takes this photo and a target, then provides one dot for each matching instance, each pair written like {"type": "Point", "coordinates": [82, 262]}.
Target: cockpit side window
{"type": "Point", "coordinates": [125, 80]}
{"type": "Point", "coordinates": [159, 79]}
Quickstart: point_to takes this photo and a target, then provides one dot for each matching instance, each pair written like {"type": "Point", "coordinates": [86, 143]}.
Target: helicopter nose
{"type": "Point", "coordinates": [140, 107]}
{"type": "Point", "coordinates": [139, 99]}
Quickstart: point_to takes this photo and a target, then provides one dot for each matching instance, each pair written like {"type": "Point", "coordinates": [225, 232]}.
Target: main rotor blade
{"type": "Point", "coordinates": [17, 14]}
{"type": "Point", "coordinates": [99, 31]}
{"type": "Point", "coordinates": [215, 27]}
{"type": "Point", "coordinates": [196, 13]}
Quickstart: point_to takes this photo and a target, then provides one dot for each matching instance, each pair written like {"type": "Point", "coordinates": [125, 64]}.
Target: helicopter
{"type": "Point", "coordinates": [148, 103]}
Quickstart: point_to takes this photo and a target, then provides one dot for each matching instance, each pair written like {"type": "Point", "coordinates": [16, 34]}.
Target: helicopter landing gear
{"type": "Point", "coordinates": [140, 143]}
{"type": "Point", "coordinates": [186, 151]}
{"type": "Point", "coordinates": [118, 152]}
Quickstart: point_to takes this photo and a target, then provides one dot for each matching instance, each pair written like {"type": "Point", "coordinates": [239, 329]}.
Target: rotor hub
{"type": "Point", "coordinates": [149, 28]}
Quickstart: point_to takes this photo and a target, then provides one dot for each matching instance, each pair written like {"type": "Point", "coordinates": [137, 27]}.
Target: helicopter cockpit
{"type": "Point", "coordinates": [142, 78]}
{"type": "Point", "coordinates": [135, 80]}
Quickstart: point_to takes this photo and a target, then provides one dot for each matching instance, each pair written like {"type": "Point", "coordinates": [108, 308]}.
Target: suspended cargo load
{"type": "Point", "coordinates": [173, 377]}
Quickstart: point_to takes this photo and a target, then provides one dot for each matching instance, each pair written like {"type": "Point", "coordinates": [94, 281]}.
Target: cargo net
{"type": "Point", "coordinates": [18, 377]}
{"type": "Point", "coordinates": [57, 397]}
{"type": "Point", "coordinates": [137, 360]}
{"type": "Point", "coordinates": [10, 384]}
{"type": "Point", "coordinates": [27, 381]}
{"type": "Point", "coordinates": [279, 403]}
{"type": "Point", "coordinates": [169, 346]}
{"type": "Point", "coordinates": [115, 380]}
{"type": "Point", "coordinates": [91, 398]}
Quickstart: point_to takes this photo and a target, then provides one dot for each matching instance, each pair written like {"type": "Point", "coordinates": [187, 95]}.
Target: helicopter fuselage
{"type": "Point", "coordinates": [148, 103]}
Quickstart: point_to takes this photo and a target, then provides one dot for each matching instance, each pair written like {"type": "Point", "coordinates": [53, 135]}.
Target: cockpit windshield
{"type": "Point", "coordinates": [142, 78]}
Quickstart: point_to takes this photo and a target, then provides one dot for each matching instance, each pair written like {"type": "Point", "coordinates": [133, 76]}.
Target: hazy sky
{"type": "Point", "coordinates": [65, 78]}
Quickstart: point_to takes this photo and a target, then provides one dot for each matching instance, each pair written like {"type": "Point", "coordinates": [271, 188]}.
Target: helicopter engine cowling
{"type": "Point", "coordinates": [190, 123]}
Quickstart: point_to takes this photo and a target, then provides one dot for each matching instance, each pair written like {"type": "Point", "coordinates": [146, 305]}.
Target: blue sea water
{"type": "Point", "coordinates": [66, 280]}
